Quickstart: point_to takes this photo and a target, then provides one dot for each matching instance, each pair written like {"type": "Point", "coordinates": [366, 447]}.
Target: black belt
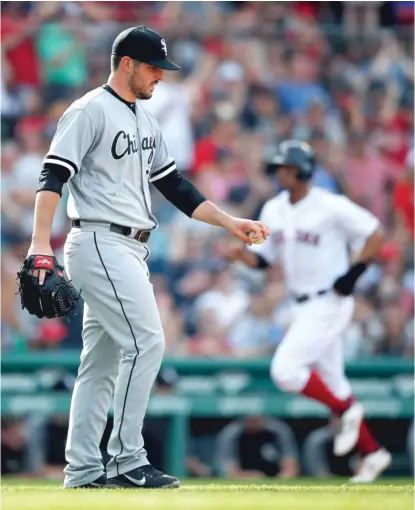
{"type": "Point", "coordinates": [141, 235]}
{"type": "Point", "coordinates": [306, 297]}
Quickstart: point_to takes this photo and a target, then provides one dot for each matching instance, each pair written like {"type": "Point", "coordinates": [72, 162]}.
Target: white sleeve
{"type": "Point", "coordinates": [74, 136]}
{"type": "Point", "coordinates": [163, 163]}
{"type": "Point", "coordinates": [356, 222]}
{"type": "Point", "coordinates": [268, 250]}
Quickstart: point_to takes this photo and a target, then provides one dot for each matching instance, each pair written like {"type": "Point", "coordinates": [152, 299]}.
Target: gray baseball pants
{"type": "Point", "coordinates": [123, 345]}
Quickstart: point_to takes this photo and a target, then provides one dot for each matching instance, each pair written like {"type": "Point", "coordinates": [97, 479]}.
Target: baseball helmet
{"type": "Point", "coordinates": [295, 153]}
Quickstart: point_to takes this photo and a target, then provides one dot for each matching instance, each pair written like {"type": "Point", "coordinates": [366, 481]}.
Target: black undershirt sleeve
{"type": "Point", "coordinates": [52, 178]}
{"type": "Point", "coordinates": [180, 192]}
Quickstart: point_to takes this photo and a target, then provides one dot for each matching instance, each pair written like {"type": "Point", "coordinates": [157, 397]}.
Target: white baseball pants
{"type": "Point", "coordinates": [314, 342]}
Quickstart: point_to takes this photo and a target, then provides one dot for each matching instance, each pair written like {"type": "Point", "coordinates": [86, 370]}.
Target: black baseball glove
{"type": "Point", "coordinates": [55, 298]}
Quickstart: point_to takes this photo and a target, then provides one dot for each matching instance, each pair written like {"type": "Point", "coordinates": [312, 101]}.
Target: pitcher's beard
{"type": "Point", "coordinates": [139, 94]}
{"type": "Point", "coordinates": [142, 95]}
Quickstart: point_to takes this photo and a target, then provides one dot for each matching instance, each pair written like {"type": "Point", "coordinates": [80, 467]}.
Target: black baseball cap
{"type": "Point", "coordinates": [145, 45]}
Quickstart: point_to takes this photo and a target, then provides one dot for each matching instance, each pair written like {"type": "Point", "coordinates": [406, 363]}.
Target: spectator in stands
{"type": "Point", "coordinates": [319, 118]}
{"type": "Point", "coordinates": [200, 452]}
{"type": "Point", "coordinates": [61, 49]}
{"type": "Point", "coordinates": [173, 324]}
{"type": "Point", "coordinates": [227, 299]}
{"type": "Point", "coordinates": [173, 104]}
{"type": "Point", "coordinates": [261, 115]}
{"type": "Point", "coordinates": [403, 197]}
{"type": "Point", "coordinates": [365, 331]}
{"type": "Point", "coordinates": [255, 334]}
{"type": "Point", "coordinates": [257, 447]}
{"type": "Point", "coordinates": [217, 311]}
{"type": "Point", "coordinates": [301, 89]}
{"type": "Point", "coordinates": [19, 25]}
{"type": "Point", "coordinates": [322, 176]}
{"type": "Point", "coordinates": [10, 211]}
{"type": "Point", "coordinates": [14, 448]}
{"type": "Point", "coordinates": [365, 175]}
{"type": "Point", "coordinates": [221, 139]}
{"type": "Point", "coordinates": [25, 177]}
{"type": "Point", "coordinates": [318, 458]}
{"type": "Point", "coordinates": [397, 339]}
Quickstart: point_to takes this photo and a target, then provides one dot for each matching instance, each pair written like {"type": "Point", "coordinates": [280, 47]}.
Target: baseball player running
{"type": "Point", "coordinates": [109, 149]}
{"type": "Point", "coordinates": [312, 233]}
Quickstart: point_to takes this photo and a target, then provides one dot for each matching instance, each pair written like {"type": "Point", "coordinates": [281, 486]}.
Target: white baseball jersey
{"type": "Point", "coordinates": [112, 153]}
{"type": "Point", "coordinates": [312, 238]}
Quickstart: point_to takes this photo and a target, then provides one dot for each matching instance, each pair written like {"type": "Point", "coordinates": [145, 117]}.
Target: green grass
{"type": "Point", "coordinates": [300, 494]}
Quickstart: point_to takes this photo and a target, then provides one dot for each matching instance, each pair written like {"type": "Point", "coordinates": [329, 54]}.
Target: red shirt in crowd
{"type": "Point", "coordinates": [205, 152]}
{"type": "Point", "coordinates": [393, 140]}
{"type": "Point", "coordinates": [22, 58]}
{"type": "Point", "coordinates": [403, 201]}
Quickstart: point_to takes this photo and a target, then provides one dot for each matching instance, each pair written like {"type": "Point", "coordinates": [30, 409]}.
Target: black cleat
{"type": "Point", "coordinates": [99, 483]}
{"type": "Point", "coordinates": [145, 477]}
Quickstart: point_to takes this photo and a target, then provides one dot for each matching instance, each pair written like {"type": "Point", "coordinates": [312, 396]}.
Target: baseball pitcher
{"type": "Point", "coordinates": [109, 149]}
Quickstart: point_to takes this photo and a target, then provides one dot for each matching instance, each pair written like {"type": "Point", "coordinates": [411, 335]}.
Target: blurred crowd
{"type": "Point", "coordinates": [337, 74]}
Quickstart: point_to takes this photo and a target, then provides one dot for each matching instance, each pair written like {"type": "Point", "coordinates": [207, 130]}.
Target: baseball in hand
{"type": "Point", "coordinates": [255, 238]}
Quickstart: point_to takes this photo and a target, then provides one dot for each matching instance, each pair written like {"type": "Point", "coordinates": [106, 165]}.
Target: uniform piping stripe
{"type": "Point", "coordinates": [148, 253]}
{"type": "Point", "coordinates": [162, 170]}
{"type": "Point", "coordinates": [160, 176]}
{"type": "Point", "coordinates": [61, 163]}
{"type": "Point", "coordinates": [135, 357]}
{"type": "Point", "coordinates": [63, 160]}
{"type": "Point", "coordinates": [123, 413]}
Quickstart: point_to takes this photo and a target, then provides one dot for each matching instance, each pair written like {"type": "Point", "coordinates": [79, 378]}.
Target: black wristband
{"type": "Point", "coordinates": [345, 284]}
{"type": "Point", "coordinates": [356, 271]}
